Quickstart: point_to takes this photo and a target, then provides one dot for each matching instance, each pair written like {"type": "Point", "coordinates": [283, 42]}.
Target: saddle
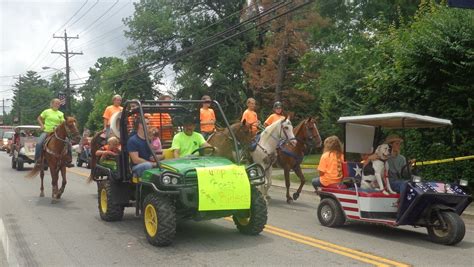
{"type": "Point", "coordinates": [254, 143]}
{"type": "Point", "coordinates": [45, 147]}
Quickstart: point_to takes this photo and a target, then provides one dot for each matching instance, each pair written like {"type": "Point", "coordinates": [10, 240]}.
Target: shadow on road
{"type": "Point", "coordinates": [401, 235]}
{"type": "Point", "coordinates": [212, 236]}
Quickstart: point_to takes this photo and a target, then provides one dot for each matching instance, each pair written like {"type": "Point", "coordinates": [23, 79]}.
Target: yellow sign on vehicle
{"type": "Point", "coordinates": [223, 188]}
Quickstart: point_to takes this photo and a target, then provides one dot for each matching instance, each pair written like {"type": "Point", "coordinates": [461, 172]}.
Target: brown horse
{"type": "Point", "coordinates": [96, 143]}
{"type": "Point", "coordinates": [55, 152]}
{"type": "Point", "coordinates": [222, 139]}
{"type": "Point", "coordinates": [290, 157]}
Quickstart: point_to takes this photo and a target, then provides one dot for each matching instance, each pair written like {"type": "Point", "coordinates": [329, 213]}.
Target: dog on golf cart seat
{"type": "Point", "coordinates": [375, 173]}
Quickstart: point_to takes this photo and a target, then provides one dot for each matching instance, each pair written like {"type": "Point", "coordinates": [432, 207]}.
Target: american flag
{"type": "Point", "coordinates": [62, 99]}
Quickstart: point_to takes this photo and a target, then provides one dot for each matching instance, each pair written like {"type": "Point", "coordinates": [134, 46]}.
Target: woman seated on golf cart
{"type": "Point", "coordinates": [330, 164]}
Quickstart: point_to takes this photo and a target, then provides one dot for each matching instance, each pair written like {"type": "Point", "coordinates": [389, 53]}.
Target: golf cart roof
{"type": "Point", "coordinates": [396, 120]}
{"type": "Point", "coordinates": [28, 127]}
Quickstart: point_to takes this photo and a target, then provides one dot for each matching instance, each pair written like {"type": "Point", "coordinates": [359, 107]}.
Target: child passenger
{"type": "Point", "coordinates": [330, 164]}
{"type": "Point", "coordinates": [109, 151]}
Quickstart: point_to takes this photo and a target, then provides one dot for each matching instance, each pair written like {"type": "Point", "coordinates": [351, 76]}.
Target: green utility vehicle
{"type": "Point", "coordinates": [201, 186]}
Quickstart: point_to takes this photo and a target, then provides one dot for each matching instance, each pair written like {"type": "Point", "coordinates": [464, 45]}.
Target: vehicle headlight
{"type": "Point", "coordinates": [174, 180]}
{"type": "Point", "coordinates": [415, 178]}
{"type": "Point", "coordinates": [166, 179]}
{"type": "Point", "coordinates": [463, 182]}
{"type": "Point", "coordinates": [253, 173]}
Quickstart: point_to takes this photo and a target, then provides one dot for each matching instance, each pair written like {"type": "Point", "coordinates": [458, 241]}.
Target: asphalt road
{"type": "Point", "coordinates": [34, 232]}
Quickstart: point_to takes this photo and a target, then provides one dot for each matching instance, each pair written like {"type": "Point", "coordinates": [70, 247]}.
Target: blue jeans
{"type": "Point", "coordinates": [398, 185]}
{"type": "Point", "coordinates": [316, 182]}
{"type": "Point", "coordinates": [140, 168]}
{"type": "Point", "coordinates": [39, 145]}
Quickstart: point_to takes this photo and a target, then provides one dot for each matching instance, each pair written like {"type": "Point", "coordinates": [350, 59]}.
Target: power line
{"type": "Point", "coordinates": [189, 51]}
{"type": "Point", "coordinates": [49, 40]}
{"type": "Point", "coordinates": [87, 11]}
{"type": "Point", "coordinates": [83, 5]}
{"type": "Point", "coordinates": [102, 15]}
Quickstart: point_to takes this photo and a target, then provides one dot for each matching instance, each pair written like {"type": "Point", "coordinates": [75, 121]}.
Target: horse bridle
{"type": "Point", "coordinates": [68, 133]}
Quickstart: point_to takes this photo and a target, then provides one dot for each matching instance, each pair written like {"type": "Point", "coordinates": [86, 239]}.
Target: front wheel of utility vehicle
{"type": "Point", "coordinates": [107, 209]}
{"type": "Point", "coordinates": [159, 219]}
{"type": "Point", "coordinates": [451, 233]}
{"type": "Point", "coordinates": [255, 222]}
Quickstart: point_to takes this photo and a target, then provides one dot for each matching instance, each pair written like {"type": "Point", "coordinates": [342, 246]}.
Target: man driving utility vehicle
{"type": "Point", "coordinates": [186, 142]}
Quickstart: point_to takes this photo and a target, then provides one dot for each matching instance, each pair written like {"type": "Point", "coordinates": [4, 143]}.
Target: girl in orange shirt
{"type": "Point", "coordinates": [277, 114]}
{"type": "Point", "coordinates": [250, 116]}
{"type": "Point", "coordinates": [330, 164]}
{"type": "Point", "coordinates": [207, 117]}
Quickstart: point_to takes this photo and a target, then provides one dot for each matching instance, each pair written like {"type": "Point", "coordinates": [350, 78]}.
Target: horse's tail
{"type": "Point", "coordinates": [95, 145]}
{"type": "Point", "coordinates": [36, 169]}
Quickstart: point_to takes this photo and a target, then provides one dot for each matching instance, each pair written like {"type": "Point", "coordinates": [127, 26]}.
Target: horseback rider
{"type": "Point", "coordinates": [277, 114]}
{"type": "Point", "coordinates": [250, 116]}
{"type": "Point", "coordinates": [48, 120]}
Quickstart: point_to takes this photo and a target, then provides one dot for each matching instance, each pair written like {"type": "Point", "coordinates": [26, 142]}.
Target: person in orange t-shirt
{"type": "Point", "coordinates": [163, 122]}
{"type": "Point", "coordinates": [250, 116]}
{"type": "Point", "coordinates": [111, 110]}
{"type": "Point", "coordinates": [207, 117]}
{"type": "Point", "coordinates": [330, 164]}
{"type": "Point", "coordinates": [277, 114]}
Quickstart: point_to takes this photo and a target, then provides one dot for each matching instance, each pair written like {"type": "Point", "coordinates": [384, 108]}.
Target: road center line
{"type": "Point", "coordinates": [324, 245]}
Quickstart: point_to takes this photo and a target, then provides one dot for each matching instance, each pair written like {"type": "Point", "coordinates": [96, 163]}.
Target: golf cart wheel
{"type": "Point", "coordinates": [13, 162]}
{"type": "Point", "coordinates": [107, 209]}
{"type": "Point", "coordinates": [452, 234]}
{"type": "Point", "coordinates": [254, 224]}
{"type": "Point", "coordinates": [159, 219]}
{"type": "Point", "coordinates": [330, 213]}
{"type": "Point", "coordinates": [20, 164]}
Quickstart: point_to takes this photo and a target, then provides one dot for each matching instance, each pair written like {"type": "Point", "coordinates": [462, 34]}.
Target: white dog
{"type": "Point", "coordinates": [374, 174]}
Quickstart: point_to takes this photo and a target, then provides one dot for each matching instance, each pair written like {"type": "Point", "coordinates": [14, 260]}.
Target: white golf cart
{"type": "Point", "coordinates": [23, 145]}
{"type": "Point", "coordinates": [434, 205]}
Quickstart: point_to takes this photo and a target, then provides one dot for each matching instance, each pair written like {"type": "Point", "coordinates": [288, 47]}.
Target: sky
{"type": "Point", "coordinates": [27, 29]}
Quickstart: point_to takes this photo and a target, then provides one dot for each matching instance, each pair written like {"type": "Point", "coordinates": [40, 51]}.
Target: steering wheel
{"type": "Point", "coordinates": [205, 151]}
{"type": "Point", "coordinates": [404, 171]}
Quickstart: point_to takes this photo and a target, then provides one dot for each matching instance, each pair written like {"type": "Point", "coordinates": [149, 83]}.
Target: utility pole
{"type": "Point", "coordinates": [66, 54]}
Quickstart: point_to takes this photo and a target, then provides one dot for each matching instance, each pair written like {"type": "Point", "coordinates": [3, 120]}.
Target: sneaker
{"type": "Point", "coordinates": [69, 164]}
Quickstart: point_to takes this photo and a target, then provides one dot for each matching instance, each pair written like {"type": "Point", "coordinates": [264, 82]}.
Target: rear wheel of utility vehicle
{"type": "Point", "coordinates": [330, 213]}
{"type": "Point", "coordinates": [254, 224]}
{"type": "Point", "coordinates": [20, 163]}
{"type": "Point", "coordinates": [107, 209]}
{"type": "Point", "coordinates": [451, 233]}
{"type": "Point", "coordinates": [13, 162]}
{"type": "Point", "coordinates": [159, 219]}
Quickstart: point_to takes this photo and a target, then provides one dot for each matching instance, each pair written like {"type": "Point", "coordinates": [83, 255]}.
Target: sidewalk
{"type": "Point", "coordinates": [308, 188]}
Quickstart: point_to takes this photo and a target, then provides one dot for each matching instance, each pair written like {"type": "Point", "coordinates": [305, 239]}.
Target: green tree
{"type": "Point", "coordinates": [31, 96]}
{"type": "Point", "coordinates": [175, 33]}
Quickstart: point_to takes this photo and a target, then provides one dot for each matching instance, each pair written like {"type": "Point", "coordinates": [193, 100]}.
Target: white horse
{"type": "Point", "coordinates": [265, 153]}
